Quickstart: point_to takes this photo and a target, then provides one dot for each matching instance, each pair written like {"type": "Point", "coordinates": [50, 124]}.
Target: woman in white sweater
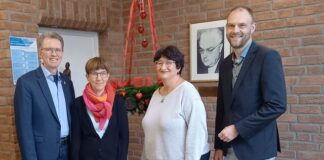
{"type": "Point", "coordinates": [175, 122]}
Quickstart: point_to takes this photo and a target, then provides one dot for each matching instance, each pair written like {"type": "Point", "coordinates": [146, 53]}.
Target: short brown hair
{"type": "Point", "coordinates": [96, 63]}
{"type": "Point", "coordinates": [52, 35]}
{"type": "Point", "coordinates": [248, 9]}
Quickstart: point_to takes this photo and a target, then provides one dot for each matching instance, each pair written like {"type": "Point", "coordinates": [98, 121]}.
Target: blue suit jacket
{"type": "Point", "coordinates": [37, 124]}
{"type": "Point", "coordinates": [253, 105]}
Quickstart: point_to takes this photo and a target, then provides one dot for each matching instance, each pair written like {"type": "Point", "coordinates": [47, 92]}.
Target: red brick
{"type": "Point", "coordinates": [311, 99]}
{"type": "Point", "coordinates": [31, 9]}
{"type": "Point", "coordinates": [211, 5]}
{"type": "Point", "coordinates": [305, 109]}
{"type": "Point", "coordinates": [286, 136]}
{"type": "Point", "coordinates": [290, 61]}
{"type": "Point", "coordinates": [303, 137]}
{"type": "Point", "coordinates": [306, 31]}
{"type": "Point", "coordinates": [195, 18]}
{"type": "Point", "coordinates": [294, 71]}
{"type": "Point", "coordinates": [4, 34]}
{"type": "Point", "coordinates": [287, 154]}
{"type": "Point", "coordinates": [308, 10]}
{"type": "Point", "coordinates": [168, 13]}
{"type": "Point", "coordinates": [19, 17]}
{"type": "Point", "coordinates": [233, 3]}
{"type": "Point", "coordinates": [300, 21]}
{"type": "Point", "coordinates": [271, 24]}
{"type": "Point", "coordinates": [284, 144]}
{"type": "Point", "coordinates": [6, 110]}
{"type": "Point", "coordinates": [303, 146]}
{"type": "Point", "coordinates": [17, 26]}
{"type": "Point", "coordinates": [261, 7]}
{"type": "Point", "coordinates": [174, 20]}
{"type": "Point", "coordinates": [305, 128]}
{"type": "Point", "coordinates": [23, 1]}
{"type": "Point", "coordinates": [167, 5]}
{"type": "Point", "coordinates": [318, 138]}
{"type": "Point", "coordinates": [293, 42]}
{"type": "Point", "coordinates": [4, 137]}
{"type": "Point", "coordinates": [280, 4]}
{"type": "Point", "coordinates": [288, 118]}
{"type": "Point", "coordinates": [284, 52]}
{"type": "Point", "coordinates": [261, 16]}
{"type": "Point", "coordinates": [11, 5]}
{"type": "Point", "coordinates": [283, 127]}
{"type": "Point", "coordinates": [285, 13]}
{"type": "Point", "coordinates": [309, 50]}
{"type": "Point", "coordinates": [306, 89]}
{"type": "Point", "coordinates": [5, 73]}
{"type": "Point", "coordinates": [292, 99]}
{"type": "Point", "coordinates": [279, 33]}
{"type": "Point", "coordinates": [214, 15]}
{"type": "Point", "coordinates": [3, 15]}
{"type": "Point", "coordinates": [313, 1]}
{"type": "Point", "coordinates": [6, 91]}
{"type": "Point", "coordinates": [314, 70]}
{"type": "Point", "coordinates": [315, 40]}
{"type": "Point", "coordinates": [312, 60]}
{"type": "Point", "coordinates": [314, 79]}
{"type": "Point", "coordinates": [273, 43]}
{"type": "Point", "coordinates": [5, 62]}
{"type": "Point", "coordinates": [307, 155]}
{"type": "Point", "coordinates": [313, 119]}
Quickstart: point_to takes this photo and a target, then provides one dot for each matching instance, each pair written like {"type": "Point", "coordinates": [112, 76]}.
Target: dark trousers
{"type": "Point", "coordinates": [64, 149]}
{"type": "Point", "coordinates": [205, 156]}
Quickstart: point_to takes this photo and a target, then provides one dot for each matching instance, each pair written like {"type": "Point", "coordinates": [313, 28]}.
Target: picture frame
{"type": "Point", "coordinates": [208, 47]}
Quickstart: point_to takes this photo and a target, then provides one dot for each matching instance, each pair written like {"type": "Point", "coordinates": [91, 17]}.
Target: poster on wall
{"type": "Point", "coordinates": [24, 56]}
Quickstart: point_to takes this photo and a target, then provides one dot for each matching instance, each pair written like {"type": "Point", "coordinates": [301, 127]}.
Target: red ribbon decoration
{"type": "Point", "coordinates": [131, 32]}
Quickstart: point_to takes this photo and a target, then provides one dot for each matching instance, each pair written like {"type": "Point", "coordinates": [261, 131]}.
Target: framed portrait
{"type": "Point", "coordinates": [208, 47]}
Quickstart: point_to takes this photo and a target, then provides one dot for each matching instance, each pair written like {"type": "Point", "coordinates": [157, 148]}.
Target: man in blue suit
{"type": "Point", "coordinates": [41, 101]}
{"type": "Point", "coordinates": [251, 95]}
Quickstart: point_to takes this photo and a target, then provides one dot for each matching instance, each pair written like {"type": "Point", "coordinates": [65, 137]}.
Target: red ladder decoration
{"type": "Point", "coordinates": [131, 31]}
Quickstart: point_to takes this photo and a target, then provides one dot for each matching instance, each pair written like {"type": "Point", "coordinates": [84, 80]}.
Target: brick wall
{"type": "Point", "coordinates": [294, 27]}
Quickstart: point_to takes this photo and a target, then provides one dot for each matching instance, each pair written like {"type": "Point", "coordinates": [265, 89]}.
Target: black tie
{"type": "Point", "coordinates": [55, 79]}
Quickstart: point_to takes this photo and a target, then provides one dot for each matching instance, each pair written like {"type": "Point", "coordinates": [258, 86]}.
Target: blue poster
{"type": "Point", "coordinates": [24, 56]}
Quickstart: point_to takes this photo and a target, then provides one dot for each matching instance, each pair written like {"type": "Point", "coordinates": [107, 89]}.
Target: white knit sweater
{"type": "Point", "coordinates": [176, 128]}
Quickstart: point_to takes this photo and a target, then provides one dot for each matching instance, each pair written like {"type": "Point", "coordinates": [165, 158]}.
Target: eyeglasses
{"type": "Point", "coordinates": [103, 74]}
{"type": "Point", "coordinates": [52, 50]}
{"type": "Point", "coordinates": [208, 50]}
{"type": "Point", "coordinates": [167, 63]}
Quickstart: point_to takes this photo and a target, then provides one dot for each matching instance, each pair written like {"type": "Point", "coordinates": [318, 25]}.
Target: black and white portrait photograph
{"type": "Point", "coordinates": [208, 47]}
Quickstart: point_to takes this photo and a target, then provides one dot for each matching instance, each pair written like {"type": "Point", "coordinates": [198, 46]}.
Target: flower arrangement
{"type": "Point", "coordinates": [137, 92]}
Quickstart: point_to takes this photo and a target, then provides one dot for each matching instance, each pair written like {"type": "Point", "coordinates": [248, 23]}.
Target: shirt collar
{"type": "Point", "coordinates": [244, 52]}
{"type": "Point", "coordinates": [48, 73]}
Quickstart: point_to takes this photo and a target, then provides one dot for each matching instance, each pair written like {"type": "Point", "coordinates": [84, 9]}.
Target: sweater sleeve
{"type": "Point", "coordinates": [195, 117]}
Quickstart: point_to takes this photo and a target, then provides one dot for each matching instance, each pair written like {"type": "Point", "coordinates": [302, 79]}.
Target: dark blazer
{"type": "Point", "coordinates": [37, 124]}
{"type": "Point", "coordinates": [253, 105]}
{"type": "Point", "coordinates": [85, 142]}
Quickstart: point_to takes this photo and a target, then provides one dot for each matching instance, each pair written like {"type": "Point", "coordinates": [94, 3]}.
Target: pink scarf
{"type": "Point", "coordinates": [100, 106]}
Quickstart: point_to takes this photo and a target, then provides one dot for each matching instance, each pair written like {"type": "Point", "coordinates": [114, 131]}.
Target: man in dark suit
{"type": "Point", "coordinates": [251, 95]}
{"type": "Point", "coordinates": [41, 101]}
{"type": "Point", "coordinates": [210, 50]}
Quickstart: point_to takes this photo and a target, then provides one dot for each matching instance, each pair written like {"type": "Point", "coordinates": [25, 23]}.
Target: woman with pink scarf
{"type": "Point", "coordinates": [99, 128]}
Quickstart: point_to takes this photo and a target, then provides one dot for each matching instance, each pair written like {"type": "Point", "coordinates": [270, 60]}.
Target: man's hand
{"type": "Point", "coordinates": [218, 155]}
{"type": "Point", "coordinates": [228, 133]}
